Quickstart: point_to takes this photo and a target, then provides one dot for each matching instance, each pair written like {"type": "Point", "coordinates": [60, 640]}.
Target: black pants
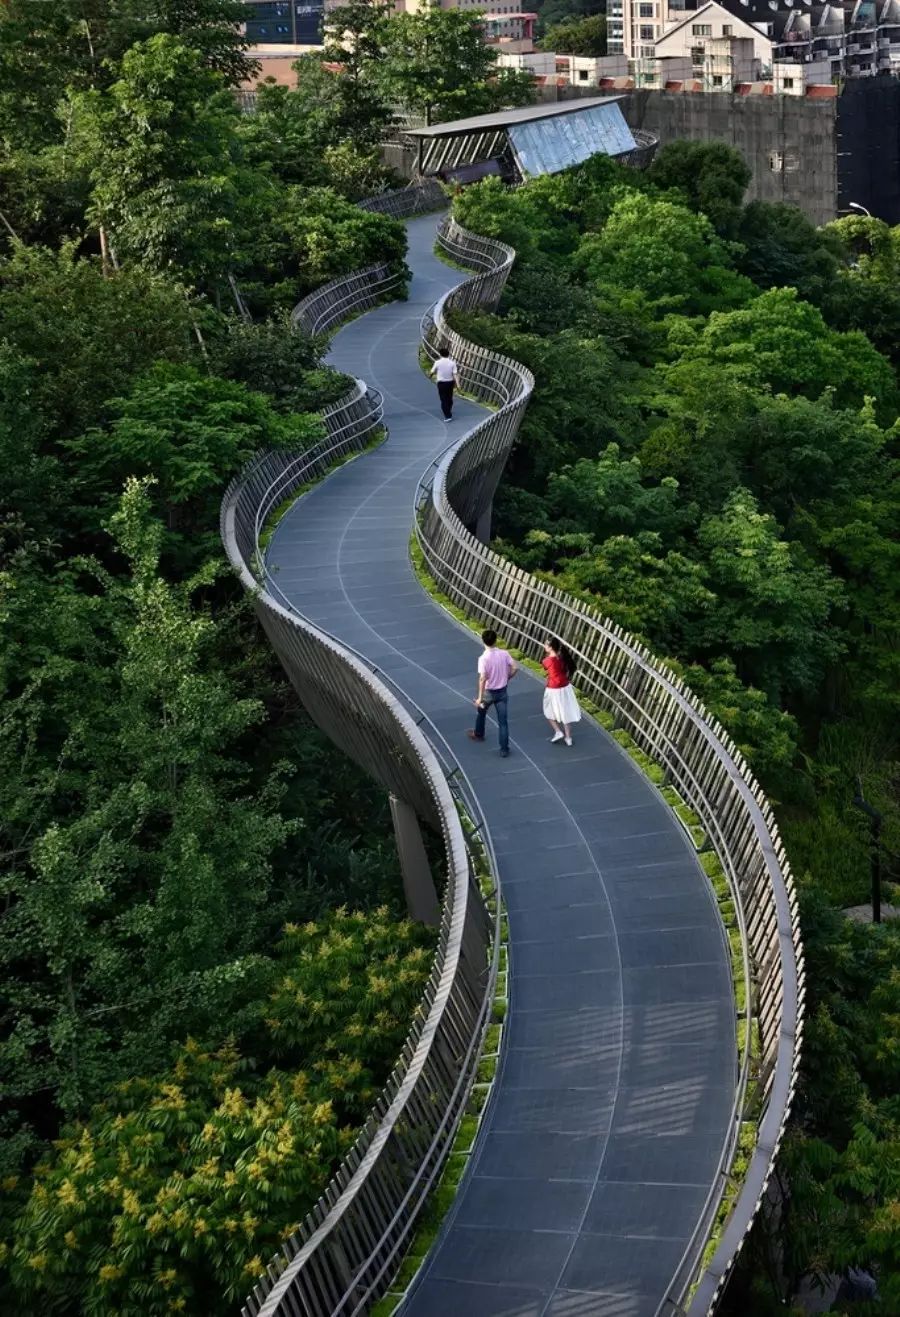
{"type": "Point", "coordinates": [445, 389]}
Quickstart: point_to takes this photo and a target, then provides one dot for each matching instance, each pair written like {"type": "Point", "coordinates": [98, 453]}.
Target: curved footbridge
{"type": "Point", "coordinates": [613, 1120]}
{"type": "Point", "coordinates": [615, 1094]}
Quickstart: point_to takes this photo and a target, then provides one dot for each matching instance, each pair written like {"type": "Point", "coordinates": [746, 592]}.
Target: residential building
{"type": "Point", "coordinates": [716, 39]}
{"type": "Point", "coordinates": [853, 38]}
{"type": "Point", "coordinates": [792, 79]}
{"type": "Point", "coordinates": [589, 70]}
{"type": "Point", "coordinates": [633, 26]}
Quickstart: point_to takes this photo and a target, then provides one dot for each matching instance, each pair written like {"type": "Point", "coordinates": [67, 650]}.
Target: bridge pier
{"type": "Point", "coordinates": [418, 883]}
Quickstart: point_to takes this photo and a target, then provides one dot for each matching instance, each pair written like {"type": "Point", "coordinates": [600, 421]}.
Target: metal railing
{"type": "Point", "coordinates": [417, 199]}
{"type": "Point", "coordinates": [644, 151]}
{"type": "Point", "coordinates": [665, 721]}
{"type": "Point", "coordinates": [345, 1253]}
{"type": "Point", "coordinates": [322, 310]}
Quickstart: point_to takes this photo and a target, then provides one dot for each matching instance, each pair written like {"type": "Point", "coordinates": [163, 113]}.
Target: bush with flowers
{"type": "Point", "coordinates": [174, 1192]}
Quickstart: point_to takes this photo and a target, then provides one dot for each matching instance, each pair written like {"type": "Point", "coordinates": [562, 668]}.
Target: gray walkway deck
{"type": "Point", "coordinates": [612, 1103]}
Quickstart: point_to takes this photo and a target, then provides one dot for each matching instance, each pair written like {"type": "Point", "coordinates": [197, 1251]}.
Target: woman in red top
{"type": "Point", "coordinates": [560, 705]}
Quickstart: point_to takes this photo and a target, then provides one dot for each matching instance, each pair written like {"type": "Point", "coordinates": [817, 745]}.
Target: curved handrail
{"type": "Point", "coordinates": [326, 307]}
{"type": "Point", "coordinates": [344, 1253]}
{"type": "Point", "coordinates": [349, 424]}
{"type": "Point", "coordinates": [641, 157]}
{"type": "Point", "coordinates": [416, 199]}
{"type": "Point", "coordinates": [663, 717]}
{"type": "Point", "coordinates": [321, 310]}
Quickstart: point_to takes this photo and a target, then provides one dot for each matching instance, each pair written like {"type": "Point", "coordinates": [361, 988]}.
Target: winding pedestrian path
{"type": "Point", "coordinates": [612, 1102]}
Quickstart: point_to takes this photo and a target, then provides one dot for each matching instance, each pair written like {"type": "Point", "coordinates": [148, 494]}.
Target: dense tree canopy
{"type": "Point", "coordinates": [664, 253]}
{"type": "Point", "coordinates": [176, 841]}
{"type": "Point", "coordinates": [435, 63]}
{"type": "Point", "coordinates": [577, 36]}
{"type": "Point", "coordinates": [712, 176]}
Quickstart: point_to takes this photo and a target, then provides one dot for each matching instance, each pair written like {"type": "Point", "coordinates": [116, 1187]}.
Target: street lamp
{"type": "Point", "coordinates": [854, 205]}
{"type": "Point", "coordinates": [874, 818]}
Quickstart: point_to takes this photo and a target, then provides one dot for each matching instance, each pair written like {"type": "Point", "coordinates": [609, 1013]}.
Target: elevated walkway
{"type": "Point", "coordinates": [613, 1100]}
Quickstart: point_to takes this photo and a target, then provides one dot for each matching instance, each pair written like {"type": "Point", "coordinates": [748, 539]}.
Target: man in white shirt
{"type": "Point", "coordinates": [445, 372]}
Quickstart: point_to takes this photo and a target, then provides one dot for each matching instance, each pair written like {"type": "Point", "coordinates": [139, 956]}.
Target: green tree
{"type": "Point", "coordinates": [765, 734]}
{"type": "Point", "coordinates": [141, 876]}
{"type": "Point", "coordinates": [782, 249]}
{"type": "Point", "coordinates": [711, 175]}
{"type": "Point", "coordinates": [47, 51]}
{"type": "Point", "coordinates": [275, 358]}
{"type": "Point", "coordinates": [162, 151]}
{"type": "Point", "coordinates": [196, 431]}
{"type": "Point", "coordinates": [43, 197]}
{"type": "Point", "coordinates": [773, 605]}
{"type": "Point", "coordinates": [326, 236]}
{"type": "Point", "coordinates": [658, 593]}
{"type": "Point", "coordinates": [579, 404]}
{"type": "Point", "coordinates": [174, 1192]}
{"type": "Point", "coordinates": [32, 488]}
{"type": "Point", "coordinates": [435, 63]}
{"type": "Point", "coordinates": [670, 255]}
{"type": "Point", "coordinates": [97, 332]}
{"type": "Point", "coordinates": [577, 36]}
{"type": "Point", "coordinates": [609, 496]}
{"type": "Point", "coordinates": [553, 12]}
{"type": "Point", "coordinates": [866, 293]}
{"type": "Point", "coordinates": [783, 342]}
{"type": "Point", "coordinates": [302, 138]}
{"type": "Point", "coordinates": [354, 40]}
{"type": "Point", "coordinates": [213, 28]}
{"type": "Point", "coordinates": [540, 218]}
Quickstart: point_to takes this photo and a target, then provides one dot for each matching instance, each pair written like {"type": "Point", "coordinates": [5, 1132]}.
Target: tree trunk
{"type": "Point", "coordinates": [104, 252]}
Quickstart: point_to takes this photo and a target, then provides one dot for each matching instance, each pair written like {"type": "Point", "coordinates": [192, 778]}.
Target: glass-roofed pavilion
{"type": "Point", "coordinates": [532, 140]}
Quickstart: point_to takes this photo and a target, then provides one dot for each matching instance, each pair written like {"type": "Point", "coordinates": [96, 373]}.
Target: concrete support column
{"type": "Point", "coordinates": [483, 524]}
{"type": "Point", "coordinates": [418, 884]}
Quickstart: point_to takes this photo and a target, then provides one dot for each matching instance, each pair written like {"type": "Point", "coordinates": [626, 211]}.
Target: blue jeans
{"type": "Point", "coordinates": [499, 701]}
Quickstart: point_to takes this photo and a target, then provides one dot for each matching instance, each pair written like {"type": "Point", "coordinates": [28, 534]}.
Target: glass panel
{"type": "Point", "coordinates": [546, 146]}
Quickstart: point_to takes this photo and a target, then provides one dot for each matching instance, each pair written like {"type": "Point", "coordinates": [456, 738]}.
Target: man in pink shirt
{"type": "Point", "coordinates": [495, 671]}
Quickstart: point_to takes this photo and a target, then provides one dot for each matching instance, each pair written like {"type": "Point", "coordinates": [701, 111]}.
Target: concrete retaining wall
{"type": "Point", "coordinates": [789, 142]}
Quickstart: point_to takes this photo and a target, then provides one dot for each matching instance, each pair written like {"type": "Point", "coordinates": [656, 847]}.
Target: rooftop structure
{"type": "Point", "coordinates": [531, 140]}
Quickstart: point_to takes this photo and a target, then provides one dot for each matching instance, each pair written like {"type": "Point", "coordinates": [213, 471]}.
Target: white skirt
{"type": "Point", "coordinates": [561, 706]}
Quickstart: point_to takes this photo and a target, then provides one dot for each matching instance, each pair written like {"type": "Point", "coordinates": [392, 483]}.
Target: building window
{"type": "Point", "coordinates": [776, 162]}
{"type": "Point", "coordinates": [645, 11]}
{"type": "Point", "coordinates": [697, 53]}
{"type": "Point", "coordinates": [582, 75]}
{"type": "Point", "coordinates": [788, 83]}
{"type": "Point", "coordinates": [726, 30]}
{"type": "Point", "coordinates": [647, 33]}
{"type": "Point", "coordinates": [717, 79]}
{"type": "Point", "coordinates": [702, 30]}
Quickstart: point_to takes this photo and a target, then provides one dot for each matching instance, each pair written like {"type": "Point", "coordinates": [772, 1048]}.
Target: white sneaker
{"type": "Point", "coordinates": [557, 737]}
{"type": "Point", "coordinates": [568, 740]}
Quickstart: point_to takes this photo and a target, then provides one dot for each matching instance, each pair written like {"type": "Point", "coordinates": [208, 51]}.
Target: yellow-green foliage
{"type": "Point", "coordinates": [174, 1192]}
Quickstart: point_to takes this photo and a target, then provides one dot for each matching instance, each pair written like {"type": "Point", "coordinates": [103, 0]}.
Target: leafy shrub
{"type": "Point", "coordinates": [172, 1194]}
